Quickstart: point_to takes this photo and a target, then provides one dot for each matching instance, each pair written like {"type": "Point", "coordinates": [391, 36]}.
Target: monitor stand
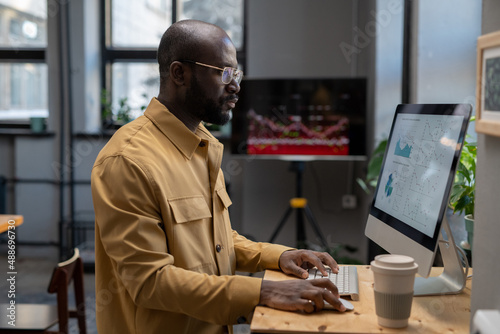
{"type": "Point", "coordinates": [452, 279]}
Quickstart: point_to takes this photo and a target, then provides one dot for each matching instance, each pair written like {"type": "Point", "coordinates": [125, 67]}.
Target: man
{"type": "Point", "coordinates": [165, 251]}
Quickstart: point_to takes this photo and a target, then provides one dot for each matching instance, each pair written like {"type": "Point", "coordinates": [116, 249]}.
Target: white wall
{"type": "Point", "coordinates": [298, 38]}
{"type": "Point", "coordinates": [389, 65]}
{"type": "Point", "coordinates": [446, 65]}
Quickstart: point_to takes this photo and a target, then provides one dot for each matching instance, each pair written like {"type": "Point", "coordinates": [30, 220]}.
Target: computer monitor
{"type": "Point", "coordinates": [407, 215]}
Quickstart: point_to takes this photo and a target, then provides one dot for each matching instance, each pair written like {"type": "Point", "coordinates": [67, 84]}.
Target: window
{"type": "Point", "coordinates": [23, 72]}
{"type": "Point", "coordinates": [227, 14]}
{"type": "Point", "coordinates": [130, 72]}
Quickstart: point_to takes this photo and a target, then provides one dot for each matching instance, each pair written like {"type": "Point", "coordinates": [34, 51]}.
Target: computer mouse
{"type": "Point", "coordinates": [347, 304]}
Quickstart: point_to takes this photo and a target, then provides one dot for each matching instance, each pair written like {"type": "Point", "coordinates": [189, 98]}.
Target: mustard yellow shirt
{"type": "Point", "coordinates": [166, 254]}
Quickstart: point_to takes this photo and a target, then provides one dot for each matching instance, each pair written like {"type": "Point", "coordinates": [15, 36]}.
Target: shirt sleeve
{"type": "Point", "coordinates": [256, 256]}
{"type": "Point", "coordinates": [129, 227]}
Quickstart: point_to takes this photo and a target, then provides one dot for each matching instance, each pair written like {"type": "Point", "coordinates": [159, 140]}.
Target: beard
{"type": "Point", "coordinates": [207, 109]}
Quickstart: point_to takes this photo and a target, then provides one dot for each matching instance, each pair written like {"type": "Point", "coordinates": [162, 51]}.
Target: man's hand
{"type": "Point", "coordinates": [300, 295]}
{"type": "Point", "coordinates": [296, 262]}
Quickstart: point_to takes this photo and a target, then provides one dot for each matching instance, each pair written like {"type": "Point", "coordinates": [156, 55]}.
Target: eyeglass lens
{"type": "Point", "coordinates": [230, 73]}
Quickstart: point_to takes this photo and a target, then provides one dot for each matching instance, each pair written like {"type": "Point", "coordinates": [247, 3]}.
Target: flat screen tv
{"type": "Point", "coordinates": [323, 117]}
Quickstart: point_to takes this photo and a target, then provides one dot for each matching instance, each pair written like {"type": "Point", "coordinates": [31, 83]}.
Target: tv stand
{"type": "Point", "coordinates": [300, 204]}
{"type": "Point", "coordinates": [452, 279]}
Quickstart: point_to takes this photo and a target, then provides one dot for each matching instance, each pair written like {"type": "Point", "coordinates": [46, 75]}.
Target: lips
{"type": "Point", "coordinates": [232, 102]}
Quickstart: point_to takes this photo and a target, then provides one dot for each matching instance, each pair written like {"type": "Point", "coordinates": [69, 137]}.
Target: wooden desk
{"type": "Point", "coordinates": [433, 314]}
{"type": "Point", "coordinates": [4, 221]}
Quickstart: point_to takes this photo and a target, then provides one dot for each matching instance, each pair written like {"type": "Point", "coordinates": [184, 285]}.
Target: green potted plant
{"type": "Point", "coordinates": [374, 166]}
{"type": "Point", "coordinates": [120, 116]}
{"type": "Point", "coordinates": [462, 196]}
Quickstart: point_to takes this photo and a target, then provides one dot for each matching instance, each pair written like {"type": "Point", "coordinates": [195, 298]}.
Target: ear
{"type": "Point", "coordinates": [179, 73]}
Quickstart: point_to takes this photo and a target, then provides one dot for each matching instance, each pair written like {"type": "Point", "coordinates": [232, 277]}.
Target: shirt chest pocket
{"type": "Point", "coordinates": [186, 209]}
{"type": "Point", "coordinates": [225, 232]}
{"type": "Point", "coordinates": [224, 197]}
{"type": "Point", "coordinates": [191, 242]}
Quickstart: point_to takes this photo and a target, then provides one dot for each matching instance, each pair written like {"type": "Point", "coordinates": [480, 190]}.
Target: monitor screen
{"type": "Point", "coordinates": [300, 117]}
{"type": "Point", "coordinates": [415, 181]}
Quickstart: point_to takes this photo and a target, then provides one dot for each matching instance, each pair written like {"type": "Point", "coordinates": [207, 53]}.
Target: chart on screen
{"type": "Point", "coordinates": [417, 168]}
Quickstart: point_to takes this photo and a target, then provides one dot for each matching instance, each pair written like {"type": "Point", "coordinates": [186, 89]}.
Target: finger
{"type": "Point", "coordinates": [333, 300]}
{"type": "Point", "coordinates": [323, 270]}
{"type": "Point", "coordinates": [322, 259]}
{"type": "Point", "coordinates": [312, 260]}
{"type": "Point", "coordinates": [316, 297]}
{"type": "Point", "coordinates": [296, 270]}
{"type": "Point", "coordinates": [326, 284]}
{"type": "Point", "coordinates": [299, 271]}
{"type": "Point", "coordinates": [306, 265]}
{"type": "Point", "coordinates": [328, 260]}
{"type": "Point", "coordinates": [318, 260]}
{"type": "Point", "coordinates": [309, 306]}
{"type": "Point", "coordinates": [294, 266]}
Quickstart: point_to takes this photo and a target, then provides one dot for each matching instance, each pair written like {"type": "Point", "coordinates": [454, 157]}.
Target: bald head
{"type": "Point", "coordinates": [187, 40]}
{"type": "Point", "coordinates": [196, 92]}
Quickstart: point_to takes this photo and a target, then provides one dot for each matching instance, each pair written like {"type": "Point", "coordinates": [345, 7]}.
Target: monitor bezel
{"type": "Point", "coordinates": [429, 243]}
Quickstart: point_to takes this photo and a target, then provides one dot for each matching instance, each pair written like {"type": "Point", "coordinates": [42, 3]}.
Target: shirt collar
{"type": "Point", "coordinates": [184, 139]}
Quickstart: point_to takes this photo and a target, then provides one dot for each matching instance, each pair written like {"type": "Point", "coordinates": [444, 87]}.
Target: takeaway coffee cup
{"type": "Point", "coordinates": [394, 276]}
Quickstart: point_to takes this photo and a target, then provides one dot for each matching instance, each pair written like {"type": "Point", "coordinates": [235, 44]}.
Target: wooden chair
{"type": "Point", "coordinates": [39, 318]}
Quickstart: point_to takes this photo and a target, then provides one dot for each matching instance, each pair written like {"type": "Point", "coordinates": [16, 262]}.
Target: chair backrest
{"type": "Point", "coordinates": [66, 272]}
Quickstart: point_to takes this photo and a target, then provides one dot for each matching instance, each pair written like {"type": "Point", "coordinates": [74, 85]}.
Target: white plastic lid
{"type": "Point", "coordinates": [394, 262]}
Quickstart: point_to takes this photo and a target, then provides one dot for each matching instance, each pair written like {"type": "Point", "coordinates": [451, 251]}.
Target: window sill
{"type": "Point", "coordinates": [96, 135]}
{"type": "Point", "coordinates": [25, 132]}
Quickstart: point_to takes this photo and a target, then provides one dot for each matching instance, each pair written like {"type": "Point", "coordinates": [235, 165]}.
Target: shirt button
{"type": "Point", "coordinates": [218, 248]}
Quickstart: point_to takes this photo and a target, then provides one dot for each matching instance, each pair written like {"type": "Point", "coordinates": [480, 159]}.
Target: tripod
{"type": "Point", "coordinates": [300, 204]}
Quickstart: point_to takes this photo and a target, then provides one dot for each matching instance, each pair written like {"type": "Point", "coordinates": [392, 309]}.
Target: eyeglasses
{"type": "Point", "coordinates": [228, 73]}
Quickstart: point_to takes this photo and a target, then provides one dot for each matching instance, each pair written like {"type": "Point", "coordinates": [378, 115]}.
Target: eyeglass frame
{"type": "Point", "coordinates": [235, 70]}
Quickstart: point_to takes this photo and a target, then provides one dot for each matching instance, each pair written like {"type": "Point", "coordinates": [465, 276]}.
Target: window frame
{"type": "Point", "coordinates": [17, 55]}
{"type": "Point", "coordinates": [111, 55]}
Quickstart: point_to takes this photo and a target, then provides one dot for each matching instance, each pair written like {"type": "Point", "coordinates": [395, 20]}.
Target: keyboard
{"type": "Point", "coordinates": [346, 280]}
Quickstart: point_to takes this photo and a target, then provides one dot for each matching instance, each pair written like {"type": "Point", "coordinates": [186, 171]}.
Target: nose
{"type": "Point", "coordinates": [233, 87]}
